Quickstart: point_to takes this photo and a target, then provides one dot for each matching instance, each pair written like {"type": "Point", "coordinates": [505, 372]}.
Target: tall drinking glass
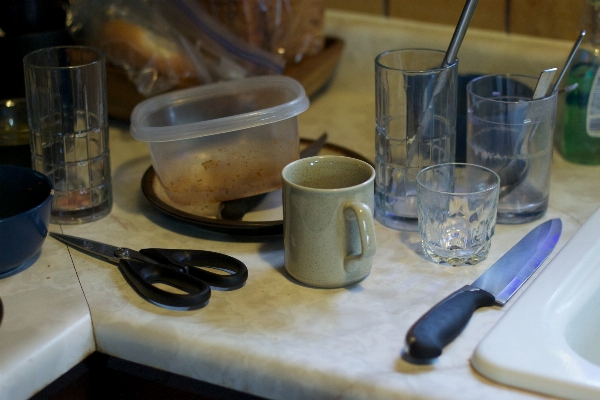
{"type": "Point", "coordinates": [512, 135]}
{"type": "Point", "coordinates": [415, 119]}
{"type": "Point", "coordinates": [66, 107]}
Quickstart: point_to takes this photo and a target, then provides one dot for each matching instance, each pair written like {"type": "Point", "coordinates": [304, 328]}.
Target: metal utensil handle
{"type": "Point", "coordinates": [460, 32]}
{"type": "Point", "coordinates": [569, 59]}
{"type": "Point", "coordinates": [451, 53]}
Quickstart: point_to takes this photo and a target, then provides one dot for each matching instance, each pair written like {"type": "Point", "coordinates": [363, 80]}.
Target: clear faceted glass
{"type": "Point", "coordinates": [457, 206]}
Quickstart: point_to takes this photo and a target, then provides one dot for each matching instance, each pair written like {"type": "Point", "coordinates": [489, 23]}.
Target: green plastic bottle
{"type": "Point", "coordinates": [581, 125]}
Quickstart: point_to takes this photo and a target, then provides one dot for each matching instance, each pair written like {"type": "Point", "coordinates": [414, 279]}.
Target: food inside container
{"type": "Point", "coordinates": [222, 141]}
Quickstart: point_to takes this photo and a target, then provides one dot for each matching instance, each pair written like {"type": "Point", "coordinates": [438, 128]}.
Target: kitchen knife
{"type": "Point", "coordinates": [235, 210]}
{"type": "Point", "coordinates": [446, 320]}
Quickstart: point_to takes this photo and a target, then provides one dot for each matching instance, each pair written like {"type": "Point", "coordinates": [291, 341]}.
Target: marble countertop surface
{"type": "Point", "coordinates": [274, 337]}
{"type": "Point", "coordinates": [47, 328]}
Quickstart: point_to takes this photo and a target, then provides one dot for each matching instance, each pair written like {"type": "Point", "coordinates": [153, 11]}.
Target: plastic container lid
{"type": "Point", "coordinates": [168, 117]}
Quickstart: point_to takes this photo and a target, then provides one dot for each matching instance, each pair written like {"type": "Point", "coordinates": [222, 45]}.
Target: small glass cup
{"type": "Point", "coordinates": [457, 205]}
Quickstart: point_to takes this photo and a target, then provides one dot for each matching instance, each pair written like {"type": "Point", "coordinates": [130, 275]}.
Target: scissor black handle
{"type": "Point", "coordinates": [142, 276]}
{"type": "Point", "coordinates": [196, 260]}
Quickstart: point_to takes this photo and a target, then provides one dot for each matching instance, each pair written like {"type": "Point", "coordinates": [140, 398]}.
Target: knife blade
{"type": "Point", "coordinates": [235, 210]}
{"type": "Point", "coordinates": [447, 319]}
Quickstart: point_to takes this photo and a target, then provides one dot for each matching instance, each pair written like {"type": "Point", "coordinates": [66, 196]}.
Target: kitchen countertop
{"type": "Point", "coordinates": [274, 337]}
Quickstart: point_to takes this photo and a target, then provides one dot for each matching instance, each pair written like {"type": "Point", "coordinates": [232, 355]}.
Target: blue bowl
{"type": "Point", "coordinates": [25, 205]}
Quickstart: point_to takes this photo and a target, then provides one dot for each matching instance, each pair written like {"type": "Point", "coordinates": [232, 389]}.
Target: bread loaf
{"type": "Point", "coordinates": [134, 47]}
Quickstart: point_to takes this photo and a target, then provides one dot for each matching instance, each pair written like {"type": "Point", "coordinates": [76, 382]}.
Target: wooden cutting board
{"type": "Point", "coordinates": [313, 72]}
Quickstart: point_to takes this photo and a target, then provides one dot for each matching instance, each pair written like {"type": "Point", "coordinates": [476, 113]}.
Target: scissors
{"type": "Point", "coordinates": [181, 269]}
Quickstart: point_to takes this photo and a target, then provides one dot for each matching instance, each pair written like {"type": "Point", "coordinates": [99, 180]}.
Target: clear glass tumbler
{"type": "Point", "coordinates": [457, 206]}
{"type": "Point", "coordinates": [415, 107]}
{"type": "Point", "coordinates": [512, 134]}
{"type": "Point", "coordinates": [66, 106]}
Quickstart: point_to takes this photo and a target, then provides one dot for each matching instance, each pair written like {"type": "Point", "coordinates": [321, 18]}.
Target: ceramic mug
{"type": "Point", "coordinates": [329, 235]}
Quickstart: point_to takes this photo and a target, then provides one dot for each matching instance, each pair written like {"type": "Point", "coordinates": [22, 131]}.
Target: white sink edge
{"type": "Point", "coordinates": [527, 347]}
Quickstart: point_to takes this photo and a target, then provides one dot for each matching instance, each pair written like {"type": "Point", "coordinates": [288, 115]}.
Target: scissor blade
{"type": "Point", "coordinates": [103, 250]}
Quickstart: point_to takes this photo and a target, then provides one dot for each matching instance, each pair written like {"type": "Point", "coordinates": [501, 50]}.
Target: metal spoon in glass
{"type": "Point", "coordinates": [514, 173]}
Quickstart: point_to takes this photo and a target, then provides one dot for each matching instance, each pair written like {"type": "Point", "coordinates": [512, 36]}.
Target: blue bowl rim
{"type": "Point", "coordinates": [38, 174]}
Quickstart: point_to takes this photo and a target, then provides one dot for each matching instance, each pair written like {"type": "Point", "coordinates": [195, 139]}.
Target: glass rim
{"type": "Point", "coordinates": [493, 187]}
{"type": "Point", "coordinates": [550, 97]}
{"type": "Point", "coordinates": [415, 71]}
{"type": "Point", "coordinates": [27, 59]}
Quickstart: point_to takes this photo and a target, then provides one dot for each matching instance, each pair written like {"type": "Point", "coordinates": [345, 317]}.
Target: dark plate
{"type": "Point", "coordinates": [261, 227]}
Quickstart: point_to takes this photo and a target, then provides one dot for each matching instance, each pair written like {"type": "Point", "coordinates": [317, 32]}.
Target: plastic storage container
{"type": "Point", "coordinates": [222, 141]}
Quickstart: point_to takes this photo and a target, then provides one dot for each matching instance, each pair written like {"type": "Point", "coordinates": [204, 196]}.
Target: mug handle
{"type": "Point", "coordinates": [366, 230]}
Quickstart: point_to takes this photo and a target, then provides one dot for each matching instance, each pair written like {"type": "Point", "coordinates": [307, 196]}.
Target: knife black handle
{"type": "Point", "coordinates": [444, 322]}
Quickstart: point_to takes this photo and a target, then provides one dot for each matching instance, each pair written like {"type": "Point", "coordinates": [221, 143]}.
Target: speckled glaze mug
{"type": "Point", "coordinates": [328, 230]}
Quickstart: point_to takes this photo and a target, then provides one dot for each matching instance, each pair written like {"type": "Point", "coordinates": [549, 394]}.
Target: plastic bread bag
{"type": "Point", "coordinates": [138, 37]}
{"type": "Point", "coordinates": [291, 28]}
{"type": "Point", "coordinates": [213, 39]}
